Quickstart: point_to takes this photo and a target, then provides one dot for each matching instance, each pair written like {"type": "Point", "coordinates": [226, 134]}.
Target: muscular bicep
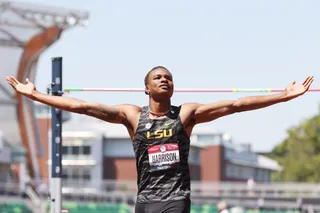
{"type": "Point", "coordinates": [209, 112]}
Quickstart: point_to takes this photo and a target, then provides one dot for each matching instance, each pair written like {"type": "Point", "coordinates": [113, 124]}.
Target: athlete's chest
{"type": "Point", "coordinates": [161, 130]}
{"type": "Point", "coordinates": [161, 144]}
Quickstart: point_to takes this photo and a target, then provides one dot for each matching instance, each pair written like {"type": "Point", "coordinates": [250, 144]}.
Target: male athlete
{"type": "Point", "coordinates": [160, 133]}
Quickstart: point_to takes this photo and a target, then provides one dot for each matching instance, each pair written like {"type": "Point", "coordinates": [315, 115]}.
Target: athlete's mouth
{"type": "Point", "coordinates": [166, 86]}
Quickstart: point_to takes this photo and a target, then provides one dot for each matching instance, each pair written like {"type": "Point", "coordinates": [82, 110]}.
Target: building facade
{"type": "Point", "coordinates": [95, 151]}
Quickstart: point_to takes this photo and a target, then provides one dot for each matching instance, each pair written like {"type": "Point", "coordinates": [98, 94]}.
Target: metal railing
{"type": "Point", "coordinates": [228, 189]}
{"type": "Point", "coordinates": [234, 189]}
{"type": "Point", "coordinates": [274, 195]}
{"type": "Point", "coordinates": [10, 189]}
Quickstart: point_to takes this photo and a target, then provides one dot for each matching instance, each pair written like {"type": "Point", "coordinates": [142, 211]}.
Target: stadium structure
{"type": "Point", "coordinates": [98, 161]}
{"type": "Point", "coordinates": [26, 31]}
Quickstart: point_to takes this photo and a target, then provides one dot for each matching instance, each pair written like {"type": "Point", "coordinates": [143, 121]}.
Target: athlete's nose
{"type": "Point", "coordinates": [164, 80]}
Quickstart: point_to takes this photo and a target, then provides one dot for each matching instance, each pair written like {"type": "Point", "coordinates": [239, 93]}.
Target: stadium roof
{"type": "Point", "coordinates": [268, 163]}
{"type": "Point", "coordinates": [19, 24]}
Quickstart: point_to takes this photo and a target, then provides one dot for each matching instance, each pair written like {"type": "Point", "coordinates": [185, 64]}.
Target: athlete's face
{"type": "Point", "coordinates": [160, 84]}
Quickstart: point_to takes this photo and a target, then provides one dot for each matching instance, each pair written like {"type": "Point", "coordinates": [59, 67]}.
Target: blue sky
{"type": "Point", "coordinates": [205, 44]}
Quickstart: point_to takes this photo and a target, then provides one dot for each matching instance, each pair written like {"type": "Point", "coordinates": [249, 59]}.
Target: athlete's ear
{"type": "Point", "coordinates": [147, 90]}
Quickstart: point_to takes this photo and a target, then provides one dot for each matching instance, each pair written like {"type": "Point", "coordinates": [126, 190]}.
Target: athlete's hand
{"type": "Point", "coordinates": [24, 89]}
{"type": "Point", "coordinates": [294, 90]}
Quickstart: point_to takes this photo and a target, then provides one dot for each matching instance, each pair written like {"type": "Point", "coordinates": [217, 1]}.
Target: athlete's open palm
{"type": "Point", "coordinates": [24, 89]}
{"type": "Point", "coordinates": [297, 90]}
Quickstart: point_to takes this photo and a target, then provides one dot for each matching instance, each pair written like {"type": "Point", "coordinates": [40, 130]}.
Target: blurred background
{"type": "Point", "coordinates": [259, 161]}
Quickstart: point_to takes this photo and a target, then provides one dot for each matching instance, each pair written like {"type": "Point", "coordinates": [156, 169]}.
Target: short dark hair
{"type": "Point", "coordinates": [146, 78]}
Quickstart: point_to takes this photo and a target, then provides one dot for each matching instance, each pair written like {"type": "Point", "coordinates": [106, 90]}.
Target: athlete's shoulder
{"type": "Point", "coordinates": [130, 108]}
{"type": "Point", "coordinates": [186, 107]}
{"type": "Point", "coordinates": [189, 107]}
{"type": "Point", "coordinates": [186, 113]}
{"type": "Point", "coordinates": [132, 114]}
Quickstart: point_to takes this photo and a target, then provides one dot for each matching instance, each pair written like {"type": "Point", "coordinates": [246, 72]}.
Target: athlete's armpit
{"type": "Point", "coordinates": [127, 124]}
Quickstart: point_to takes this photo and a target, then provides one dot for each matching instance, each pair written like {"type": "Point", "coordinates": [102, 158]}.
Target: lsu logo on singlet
{"type": "Point", "coordinates": [161, 133]}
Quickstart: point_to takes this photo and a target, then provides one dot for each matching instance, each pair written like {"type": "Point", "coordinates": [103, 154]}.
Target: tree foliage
{"type": "Point", "coordinates": [299, 153]}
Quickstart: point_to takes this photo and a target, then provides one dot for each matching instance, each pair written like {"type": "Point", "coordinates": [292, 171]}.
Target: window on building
{"type": "Point", "coordinates": [65, 150]}
{"type": "Point", "coordinates": [75, 150]}
{"type": "Point", "coordinates": [65, 173]}
{"type": "Point", "coordinates": [265, 175]}
{"type": "Point", "coordinates": [232, 171]}
{"type": "Point", "coordinates": [239, 172]}
{"type": "Point", "coordinates": [194, 156]}
{"type": "Point", "coordinates": [259, 175]}
{"type": "Point", "coordinates": [75, 173]}
{"type": "Point", "coordinates": [86, 150]}
{"type": "Point", "coordinates": [86, 174]}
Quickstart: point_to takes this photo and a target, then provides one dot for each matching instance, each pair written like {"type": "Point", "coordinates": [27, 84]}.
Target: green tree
{"type": "Point", "coordinates": [299, 153]}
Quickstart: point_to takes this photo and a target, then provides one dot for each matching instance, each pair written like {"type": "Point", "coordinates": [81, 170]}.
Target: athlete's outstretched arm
{"type": "Point", "coordinates": [113, 114]}
{"type": "Point", "coordinates": [207, 112]}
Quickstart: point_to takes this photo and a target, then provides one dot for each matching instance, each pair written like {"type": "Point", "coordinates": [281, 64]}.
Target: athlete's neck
{"type": "Point", "coordinates": [159, 107]}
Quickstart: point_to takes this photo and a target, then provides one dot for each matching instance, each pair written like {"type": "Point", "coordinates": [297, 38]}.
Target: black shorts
{"type": "Point", "coordinates": [172, 206]}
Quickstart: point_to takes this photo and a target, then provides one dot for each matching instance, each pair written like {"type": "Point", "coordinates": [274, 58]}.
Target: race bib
{"type": "Point", "coordinates": [164, 156]}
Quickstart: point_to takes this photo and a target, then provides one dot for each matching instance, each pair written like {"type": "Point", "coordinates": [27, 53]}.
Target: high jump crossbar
{"type": "Point", "coordinates": [68, 90]}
